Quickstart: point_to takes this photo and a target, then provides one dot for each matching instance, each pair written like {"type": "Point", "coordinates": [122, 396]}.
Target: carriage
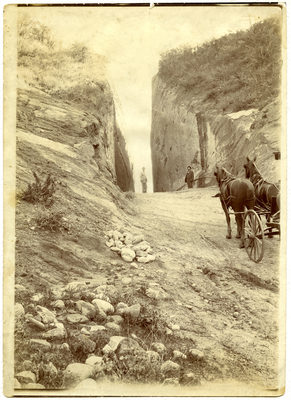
{"type": "Point", "coordinates": [260, 201]}
{"type": "Point", "coordinates": [267, 205]}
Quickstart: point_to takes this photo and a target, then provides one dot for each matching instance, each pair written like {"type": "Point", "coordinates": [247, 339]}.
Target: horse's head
{"type": "Point", "coordinates": [250, 167]}
{"type": "Point", "coordinates": [219, 173]}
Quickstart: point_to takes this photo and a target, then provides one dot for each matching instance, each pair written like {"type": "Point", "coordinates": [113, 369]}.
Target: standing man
{"type": "Point", "coordinates": [143, 180]}
{"type": "Point", "coordinates": [189, 178]}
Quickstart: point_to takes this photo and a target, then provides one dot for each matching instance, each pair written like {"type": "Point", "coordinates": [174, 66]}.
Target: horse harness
{"type": "Point", "coordinates": [225, 191]}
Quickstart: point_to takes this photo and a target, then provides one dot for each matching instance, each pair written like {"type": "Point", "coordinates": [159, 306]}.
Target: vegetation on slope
{"type": "Point", "coordinates": [72, 74]}
{"type": "Point", "coordinates": [235, 72]}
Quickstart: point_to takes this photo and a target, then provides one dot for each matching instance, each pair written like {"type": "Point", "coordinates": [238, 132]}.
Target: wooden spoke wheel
{"type": "Point", "coordinates": [253, 236]}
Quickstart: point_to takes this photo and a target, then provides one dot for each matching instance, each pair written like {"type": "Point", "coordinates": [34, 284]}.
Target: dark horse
{"type": "Point", "coordinates": [264, 191]}
{"type": "Point", "coordinates": [236, 193]}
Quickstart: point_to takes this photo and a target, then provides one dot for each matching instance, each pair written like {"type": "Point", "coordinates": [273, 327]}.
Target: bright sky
{"type": "Point", "coordinates": [132, 39]}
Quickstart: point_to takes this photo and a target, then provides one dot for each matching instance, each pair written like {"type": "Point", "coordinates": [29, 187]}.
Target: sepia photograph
{"type": "Point", "coordinates": [145, 200]}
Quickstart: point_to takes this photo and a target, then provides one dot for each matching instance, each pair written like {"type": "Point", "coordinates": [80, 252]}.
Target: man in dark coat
{"type": "Point", "coordinates": [189, 178]}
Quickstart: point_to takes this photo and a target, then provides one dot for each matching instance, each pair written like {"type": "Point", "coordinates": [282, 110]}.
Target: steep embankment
{"type": "Point", "coordinates": [209, 110]}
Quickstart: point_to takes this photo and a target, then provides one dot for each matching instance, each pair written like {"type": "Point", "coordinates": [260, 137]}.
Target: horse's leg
{"type": "Point", "coordinates": [238, 225]}
{"type": "Point", "coordinates": [225, 209]}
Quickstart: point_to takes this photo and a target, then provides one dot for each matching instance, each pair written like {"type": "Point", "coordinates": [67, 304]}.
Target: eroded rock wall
{"type": "Point", "coordinates": [183, 134]}
{"type": "Point", "coordinates": [92, 134]}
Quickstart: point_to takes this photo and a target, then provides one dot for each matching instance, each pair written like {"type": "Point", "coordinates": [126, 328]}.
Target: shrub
{"type": "Point", "coordinates": [133, 366]}
{"type": "Point", "coordinates": [50, 219]}
{"type": "Point", "coordinates": [39, 192]}
{"type": "Point", "coordinates": [240, 64]}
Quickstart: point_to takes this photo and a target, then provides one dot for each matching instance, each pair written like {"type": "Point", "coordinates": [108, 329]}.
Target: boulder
{"type": "Point", "coordinates": [25, 377]}
{"type": "Point", "coordinates": [103, 307]}
{"type": "Point", "coordinates": [47, 317]}
{"type": "Point", "coordinates": [178, 355]}
{"type": "Point", "coordinates": [86, 309]}
{"type": "Point", "coordinates": [58, 304]}
{"type": "Point", "coordinates": [114, 328]}
{"type": "Point", "coordinates": [127, 254]}
{"type": "Point", "coordinates": [126, 281]}
{"type": "Point", "coordinates": [86, 385]}
{"type": "Point", "coordinates": [18, 311]}
{"type": "Point", "coordinates": [117, 319]}
{"type": "Point", "coordinates": [196, 354]}
{"type": "Point", "coordinates": [37, 297]}
{"type": "Point", "coordinates": [116, 235]}
{"type": "Point", "coordinates": [127, 345]}
{"type": "Point", "coordinates": [27, 365]}
{"type": "Point", "coordinates": [159, 347]}
{"type": "Point", "coordinates": [138, 239]}
{"type": "Point", "coordinates": [132, 312]}
{"type": "Point", "coordinates": [76, 373]}
{"type": "Point", "coordinates": [39, 344]}
{"type": "Point", "coordinates": [75, 287]}
{"type": "Point", "coordinates": [153, 355]}
{"type": "Point", "coordinates": [114, 342]}
{"type": "Point", "coordinates": [93, 360]}
{"type": "Point", "coordinates": [169, 368]}
{"type": "Point", "coordinates": [76, 318]}
{"type": "Point", "coordinates": [58, 333]}
{"type": "Point", "coordinates": [83, 343]}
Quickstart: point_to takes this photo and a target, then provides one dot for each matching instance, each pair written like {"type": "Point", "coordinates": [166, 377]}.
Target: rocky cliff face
{"type": "Point", "coordinates": [93, 135]}
{"type": "Point", "coordinates": [185, 132]}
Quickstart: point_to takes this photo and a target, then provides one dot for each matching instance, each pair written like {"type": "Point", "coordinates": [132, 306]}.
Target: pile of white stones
{"type": "Point", "coordinates": [129, 246]}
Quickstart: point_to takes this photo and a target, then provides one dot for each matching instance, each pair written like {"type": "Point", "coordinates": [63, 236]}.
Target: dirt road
{"type": "Point", "coordinates": [224, 302]}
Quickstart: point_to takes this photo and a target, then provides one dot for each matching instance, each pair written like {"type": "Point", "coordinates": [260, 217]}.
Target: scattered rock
{"type": "Point", "coordinates": [87, 384]}
{"type": "Point", "coordinates": [126, 281]}
{"type": "Point", "coordinates": [39, 344]}
{"type": "Point", "coordinates": [18, 311]}
{"type": "Point", "coordinates": [86, 309]}
{"type": "Point", "coordinates": [46, 315]}
{"type": "Point", "coordinates": [159, 347]}
{"type": "Point", "coordinates": [196, 354]}
{"type": "Point", "coordinates": [58, 333]}
{"type": "Point", "coordinates": [77, 318]}
{"type": "Point", "coordinates": [25, 377]}
{"type": "Point", "coordinates": [103, 307]}
{"type": "Point", "coordinates": [178, 355]}
{"type": "Point", "coordinates": [114, 342]}
{"type": "Point", "coordinates": [19, 288]}
{"type": "Point", "coordinates": [153, 355]}
{"type": "Point", "coordinates": [37, 297]}
{"type": "Point", "coordinates": [117, 319]}
{"type": "Point", "coordinates": [113, 327]}
{"type": "Point", "coordinates": [27, 365]}
{"type": "Point", "coordinates": [127, 254]}
{"type": "Point", "coordinates": [75, 287]}
{"type": "Point", "coordinates": [137, 239]}
{"type": "Point", "coordinates": [171, 381]}
{"type": "Point", "coordinates": [76, 373]}
{"type": "Point", "coordinates": [169, 368]}
{"type": "Point", "coordinates": [126, 345]}
{"type": "Point", "coordinates": [83, 343]}
{"type": "Point", "coordinates": [93, 360]}
{"type": "Point", "coordinates": [58, 304]}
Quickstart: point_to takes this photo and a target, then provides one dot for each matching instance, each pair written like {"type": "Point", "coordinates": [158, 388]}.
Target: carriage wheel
{"type": "Point", "coordinates": [253, 236]}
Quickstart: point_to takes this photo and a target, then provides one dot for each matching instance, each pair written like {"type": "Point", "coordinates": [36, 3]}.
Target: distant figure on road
{"type": "Point", "coordinates": [189, 178]}
{"type": "Point", "coordinates": [143, 180]}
